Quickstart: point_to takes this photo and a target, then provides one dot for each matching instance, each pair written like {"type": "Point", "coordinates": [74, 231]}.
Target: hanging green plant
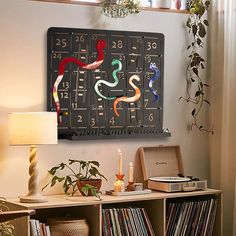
{"type": "Point", "coordinates": [120, 8]}
{"type": "Point", "coordinates": [196, 84]}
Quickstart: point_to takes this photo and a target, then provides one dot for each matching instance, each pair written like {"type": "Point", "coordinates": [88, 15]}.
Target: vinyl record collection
{"type": "Point", "coordinates": [38, 228]}
{"type": "Point", "coordinates": [126, 222]}
{"type": "Point", "coordinates": [191, 218]}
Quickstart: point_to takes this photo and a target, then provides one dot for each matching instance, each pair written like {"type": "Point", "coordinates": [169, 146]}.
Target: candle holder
{"type": "Point", "coordinates": [120, 176]}
{"type": "Point", "coordinates": [119, 184]}
{"type": "Point", "coordinates": [130, 186]}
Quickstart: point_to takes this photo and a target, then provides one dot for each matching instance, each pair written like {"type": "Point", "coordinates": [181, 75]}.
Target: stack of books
{"type": "Point", "coordinates": [191, 218]}
{"type": "Point", "coordinates": [126, 222]}
{"type": "Point", "coordinates": [39, 229]}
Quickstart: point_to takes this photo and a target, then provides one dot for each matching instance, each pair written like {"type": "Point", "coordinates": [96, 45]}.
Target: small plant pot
{"type": "Point", "coordinates": [93, 182]}
{"type": "Point", "coordinates": [165, 4]}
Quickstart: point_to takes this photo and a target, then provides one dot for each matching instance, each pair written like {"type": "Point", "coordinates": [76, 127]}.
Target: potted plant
{"type": "Point", "coordinates": [86, 178]}
{"type": "Point", "coordinates": [5, 227]}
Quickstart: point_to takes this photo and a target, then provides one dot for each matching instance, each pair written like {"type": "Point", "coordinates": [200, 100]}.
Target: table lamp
{"type": "Point", "coordinates": [33, 128]}
{"type": "Point", "coordinates": [3, 133]}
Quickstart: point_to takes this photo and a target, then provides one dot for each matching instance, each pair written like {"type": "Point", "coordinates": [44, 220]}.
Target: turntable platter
{"type": "Point", "coordinates": [170, 179]}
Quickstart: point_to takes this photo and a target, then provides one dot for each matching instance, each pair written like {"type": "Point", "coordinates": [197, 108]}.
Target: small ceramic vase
{"type": "Point", "coordinates": [165, 4]}
{"type": "Point", "coordinates": [178, 4]}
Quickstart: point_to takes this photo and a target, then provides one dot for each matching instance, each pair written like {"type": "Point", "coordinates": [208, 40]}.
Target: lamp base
{"type": "Point", "coordinates": [36, 198]}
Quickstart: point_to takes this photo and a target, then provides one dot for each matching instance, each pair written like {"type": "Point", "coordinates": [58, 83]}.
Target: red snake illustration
{"type": "Point", "coordinates": [101, 44]}
{"type": "Point", "coordinates": [128, 99]}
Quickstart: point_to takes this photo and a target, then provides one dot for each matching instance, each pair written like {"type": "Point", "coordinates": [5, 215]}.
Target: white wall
{"type": "Point", "coordinates": [23, 26]}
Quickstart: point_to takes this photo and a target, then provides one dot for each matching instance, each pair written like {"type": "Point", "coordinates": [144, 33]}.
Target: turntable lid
{"type": "Point", "coordinates": [161, 161]}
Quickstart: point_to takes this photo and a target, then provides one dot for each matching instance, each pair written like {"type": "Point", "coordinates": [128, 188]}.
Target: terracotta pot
{"type": "Point", "coordinates": [94, 182]}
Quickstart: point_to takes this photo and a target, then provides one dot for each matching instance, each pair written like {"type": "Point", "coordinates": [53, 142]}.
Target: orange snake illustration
{"type": "Point", "coordinates": [128, 99]}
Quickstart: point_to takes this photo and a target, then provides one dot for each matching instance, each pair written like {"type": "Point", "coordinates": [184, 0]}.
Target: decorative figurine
{"type": "Point", "coordinates": [178, 4]}
{"type": "Point", "coordinates": [101, 45]}
{"type": "Point", "coordinates": [129, 99]}
{"type": "Point", "coordinates": [109, 84]}
{"type": "Point", "coordinates": [156, 75]}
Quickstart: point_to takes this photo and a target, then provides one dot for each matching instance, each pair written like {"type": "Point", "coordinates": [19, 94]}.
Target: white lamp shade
{"type": "Point", "coordinates": [32, 128]}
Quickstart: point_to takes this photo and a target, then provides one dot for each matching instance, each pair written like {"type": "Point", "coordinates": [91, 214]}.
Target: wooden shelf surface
{"type": "Point", "coordinates": [96, 4]}
{"type": "Point", "coordinates": [56, 201]}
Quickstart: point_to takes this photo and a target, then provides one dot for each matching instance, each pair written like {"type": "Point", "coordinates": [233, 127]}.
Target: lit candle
{"type": "Point", "coordinates": [119, 186]}
{"type": "Point", "coordinates": [131, 173]}
{"type": "Point", "coordinates": [120, 162]}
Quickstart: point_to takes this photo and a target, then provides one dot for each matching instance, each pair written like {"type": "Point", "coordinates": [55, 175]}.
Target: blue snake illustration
{"type": "Point", "coordinates": [156, 75]}
{"type": "Point", "coordinates": [109, 84]}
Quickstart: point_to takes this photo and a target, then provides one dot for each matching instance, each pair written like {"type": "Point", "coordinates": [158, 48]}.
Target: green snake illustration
{"type": "Point", "coordinates": [109, 84]}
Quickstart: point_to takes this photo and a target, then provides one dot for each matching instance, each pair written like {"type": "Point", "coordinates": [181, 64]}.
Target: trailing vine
{"type": "Point", "coordinates": [196, 86]}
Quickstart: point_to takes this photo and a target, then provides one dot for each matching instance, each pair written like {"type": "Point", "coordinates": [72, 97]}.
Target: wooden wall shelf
{"type": "Point", "coordinates": [96, 4]}
{"type": "Point", "coordinates": [90, 208]}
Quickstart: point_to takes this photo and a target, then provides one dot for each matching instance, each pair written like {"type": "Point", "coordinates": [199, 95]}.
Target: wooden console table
{"type": "Point", "coordinates": [90, 208]}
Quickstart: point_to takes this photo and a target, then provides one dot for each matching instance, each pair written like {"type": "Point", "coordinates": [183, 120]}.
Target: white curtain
{"type": "Point", "coordinates": [222, 51]}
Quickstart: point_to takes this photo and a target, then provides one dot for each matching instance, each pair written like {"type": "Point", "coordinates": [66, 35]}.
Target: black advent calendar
{"type": "Point", "coordinates": [106, 84]}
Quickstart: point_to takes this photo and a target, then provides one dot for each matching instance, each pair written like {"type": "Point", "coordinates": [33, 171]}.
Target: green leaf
{"type": "Point", "coordinates": [93, 171]}
{"type": "Point", "coordinates": [72, 161]}
{"type": "Point", "coordinates": [68, 179]}
{"type": "Point", "coordinates": [96, 163]}
{"type": "Point", "coordinates": [194, 29]}
{"type": "Point", "coordinates": [198, 93]}
{"type": "Point", "coordinates": [83, 164]}
{"type": "Point", "coordinates": [201, 10]}
{"type": "Point", "coordinates": [207, 3]}
{"type": "Point", "coordinates": [53, 170]}
{"type": "Point", "coordinates": [202, 30]}
{"type": "Point", "coordinates": [188, 23]}
{"type": "Point", "coordinates": [62, 166]}
{"type": "Point", "coordinates": [206, 22]}
{"type": "Point", "coordinates": [88, 187]}
{"type": "Point", "coordinates": [53, 181]}
{"type": "Point", "coordinates": [102, 176]}
{"type": "Point", "coordinates": [195, 71]}
{"type": "Point", "coordinates": [206, 101]}
{"type": "Point", "coordinates": [65, 187]}
{"type": "Point", "coordinates": [199, 42]}
{"type": "Point", "coordinates": [193, 63]}
{"type": "Point", "coordinates": [85, 190]}
{"type": "Point", "coordinates": [79, 176]}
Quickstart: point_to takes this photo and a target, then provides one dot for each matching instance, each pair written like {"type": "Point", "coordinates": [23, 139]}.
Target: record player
{"type": "Point", "coordinates": [163, 170]}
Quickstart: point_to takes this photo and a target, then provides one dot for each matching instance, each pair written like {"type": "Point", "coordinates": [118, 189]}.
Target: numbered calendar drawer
{"type": "Point", "coordinates": [107, 84]}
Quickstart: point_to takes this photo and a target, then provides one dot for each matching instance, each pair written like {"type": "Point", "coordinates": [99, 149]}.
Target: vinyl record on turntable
{"type": "Point", "coordinates": [170, 179]}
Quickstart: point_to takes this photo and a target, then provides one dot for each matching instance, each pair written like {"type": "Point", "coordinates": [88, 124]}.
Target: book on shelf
{"type": "Point", "coordinates": [130, 221]}
{"type": "Point", "coordinates": [38, 228]}
{"type": "Point", "coordinates": [191, 217]}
